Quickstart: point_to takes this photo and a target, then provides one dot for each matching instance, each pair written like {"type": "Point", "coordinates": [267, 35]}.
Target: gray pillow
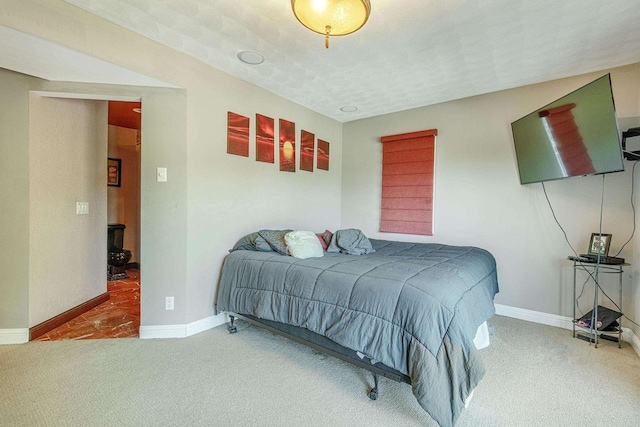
{"type": "Point", "coordinates": [275, 239]}
{"type": "Point", "coordinates": [252, 242]}
{"type": "Point", "coordinates": [262, 245]}
{"type": "Point", "coordinates": [351, 242]}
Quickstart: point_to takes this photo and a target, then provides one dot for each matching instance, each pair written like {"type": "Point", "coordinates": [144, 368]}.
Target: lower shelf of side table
{"type": "Point", "coordinates": [587, 334]}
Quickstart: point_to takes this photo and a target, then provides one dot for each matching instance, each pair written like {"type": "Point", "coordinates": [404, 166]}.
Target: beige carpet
{"type": "Point", "coordinates": [536, 376]}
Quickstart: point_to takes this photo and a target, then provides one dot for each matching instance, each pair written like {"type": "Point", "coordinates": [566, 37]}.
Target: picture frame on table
{"type": "Point", "coordinates": [599, 243]}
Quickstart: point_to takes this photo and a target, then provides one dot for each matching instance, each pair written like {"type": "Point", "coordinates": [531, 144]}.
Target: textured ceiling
{"type": "Point", "coordinates": [410, 53]}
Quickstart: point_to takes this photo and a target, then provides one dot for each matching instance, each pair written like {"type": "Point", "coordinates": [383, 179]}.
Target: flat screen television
{"type": "Point", "coordinates": [575, 135]}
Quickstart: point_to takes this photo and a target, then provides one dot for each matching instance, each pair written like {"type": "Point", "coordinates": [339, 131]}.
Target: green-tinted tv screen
{"type": "Point", "coordinates": [575, 135]}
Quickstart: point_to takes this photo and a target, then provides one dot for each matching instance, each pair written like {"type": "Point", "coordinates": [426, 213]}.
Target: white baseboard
{"type": "Point", "coordinates": [557, 321]}
{"type": "Point", "coordinates": [14, 336]}
{"type": "Point", "coordinates": [206, 323]}
{"type": "Point", "coordinates": [20, 336]}
{"type": "Point", "coordinates": [633, 339]}
{"type": "Point", "coordinates": [182, 331]}
{"type": "Point", "coordinates": [534, 316]}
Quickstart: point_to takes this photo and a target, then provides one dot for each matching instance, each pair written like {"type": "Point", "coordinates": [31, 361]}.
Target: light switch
{"type": "Point", "coordinates": [161, 175]}
{"type": "Point", "coordinates": [82, 208]}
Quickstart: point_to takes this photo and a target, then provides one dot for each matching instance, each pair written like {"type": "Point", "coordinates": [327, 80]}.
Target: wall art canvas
{"type": "Point", "coordinates": [265, 147]}
{"type": "Point", "coordinates": [307, 147]}
{"type": "Point", "coordinates": [323, 155]}
{"type": "Point", "coordinates": [237, 134]}
{"type": "Point", "coordinates": [287, 146]}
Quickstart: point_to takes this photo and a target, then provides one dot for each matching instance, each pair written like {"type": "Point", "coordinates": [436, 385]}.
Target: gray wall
{"type": "Point", "coordinates": [67, 164]}
{"type": "Point", "coordinates": [14, 194]}
{"type": "Point", "coordinates": [634, 311]}
{"type": "Point", "coordinates": [211, 198]}
{"type": "Point", "coordinates": [478, 197]}
{"type": "Point", "coordinates": [163, 205]}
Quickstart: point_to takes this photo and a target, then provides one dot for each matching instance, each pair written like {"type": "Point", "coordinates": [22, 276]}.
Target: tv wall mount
{"type": "Point", "coordinates": [630, 133]}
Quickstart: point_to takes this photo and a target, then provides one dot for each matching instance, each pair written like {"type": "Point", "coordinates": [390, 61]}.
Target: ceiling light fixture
{"type": "Point", "coordinates": [332, 17]}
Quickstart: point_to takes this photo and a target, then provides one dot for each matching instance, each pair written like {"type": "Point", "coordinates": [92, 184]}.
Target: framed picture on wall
{"type": "Point", "coordinates": [323, 155]}
{"type": "Point", "coordinates": [114, 172]}
{"type": "Point", "coordinates": [237, 134]}
{"type": "Point", "coordinates": [307, 148]}
{"type": "Point", "coordinates": [287, 146]}
{"type": "Point", "coordinates": [265, 139]}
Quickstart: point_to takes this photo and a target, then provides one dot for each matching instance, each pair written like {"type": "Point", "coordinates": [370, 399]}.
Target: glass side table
{"type": "Point", "coordinates": [592, 334]}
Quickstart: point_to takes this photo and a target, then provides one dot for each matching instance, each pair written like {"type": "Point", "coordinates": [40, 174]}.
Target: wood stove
{"type": "Point", "coordinates": [117, 257]}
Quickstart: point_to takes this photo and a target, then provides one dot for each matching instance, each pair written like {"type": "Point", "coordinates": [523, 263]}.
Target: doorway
{"type": "Point", "coordinates": [119, 317]}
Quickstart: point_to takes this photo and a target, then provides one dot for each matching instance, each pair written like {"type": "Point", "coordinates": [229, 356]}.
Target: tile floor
{"type": "Point", "coordinates": [117, 318]}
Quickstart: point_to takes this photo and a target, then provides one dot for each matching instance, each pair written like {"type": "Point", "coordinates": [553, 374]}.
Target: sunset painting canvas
{"type": "Point", "coordinates": [307, 146]}
{"type": "Point", "coordinates": [237, 134]}
{"type": "Point", "coordinates": [323, 155]}
{"type": "Point", "coordinates": [287, 146]}
{"type": "Point", "coordinates": [265, 139]}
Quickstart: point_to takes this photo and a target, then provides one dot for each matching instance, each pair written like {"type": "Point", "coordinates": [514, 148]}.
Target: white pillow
{"type": "Point", "coordinates": [303, 244]}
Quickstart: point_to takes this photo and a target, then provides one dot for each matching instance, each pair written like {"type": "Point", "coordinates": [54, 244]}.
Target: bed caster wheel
{"type": "Point", "coordinates": [373, 394]}
{"type": "Point", "coordinates": [231, 326]}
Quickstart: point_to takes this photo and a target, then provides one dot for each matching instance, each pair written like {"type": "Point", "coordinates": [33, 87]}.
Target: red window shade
{"type": "Point", "coordinates": [407, 182]}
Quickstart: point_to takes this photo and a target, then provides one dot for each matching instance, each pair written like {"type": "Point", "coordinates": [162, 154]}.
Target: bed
{"type": "Point", "coordinates": [409, 311]}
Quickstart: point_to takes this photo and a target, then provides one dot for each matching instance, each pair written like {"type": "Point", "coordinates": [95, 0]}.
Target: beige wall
{"type": "Point", "coordinates": [123, 203]}
{"type": "Point", "coordinates": [230, 196]}
{"type": "Point", "coordinates": [163, 251]}
{"type": "Point", "coordinates": [634, 299]}
{"type": "Point", "coordinates": [67, 164]}
{"type": "Point", "coordinates": [211, 198]}
{"type": "Point", "coordinates": [478, 197]}
{"type": "Point", "coordinates": [14, 196]}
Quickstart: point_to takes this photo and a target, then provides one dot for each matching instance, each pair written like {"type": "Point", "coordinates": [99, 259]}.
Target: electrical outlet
{"type": "Point", "coordinates": [168, 303]}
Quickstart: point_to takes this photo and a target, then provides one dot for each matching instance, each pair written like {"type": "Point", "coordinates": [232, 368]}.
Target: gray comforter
{"type": "Point", "coordinates": [413, 307]}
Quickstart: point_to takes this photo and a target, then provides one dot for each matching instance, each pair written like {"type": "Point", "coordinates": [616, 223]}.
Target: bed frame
{"type": "Point", "coordinates": [324, 345]}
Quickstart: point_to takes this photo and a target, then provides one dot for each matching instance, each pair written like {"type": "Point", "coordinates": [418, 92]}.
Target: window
{"type": "Point", "coordinates": [407, 182]}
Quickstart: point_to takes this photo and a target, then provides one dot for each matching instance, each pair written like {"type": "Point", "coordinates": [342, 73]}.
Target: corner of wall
{"type": "Point", "coordinates": [14, 336]}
